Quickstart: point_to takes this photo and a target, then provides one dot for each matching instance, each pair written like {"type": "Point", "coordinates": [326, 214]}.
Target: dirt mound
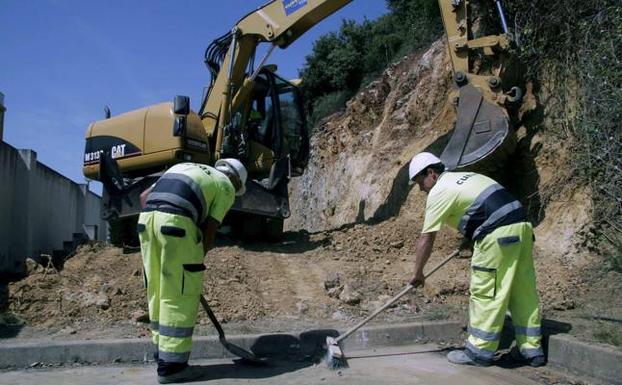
{"type": "Point", "coordinates": [327, 278]}
{"type": "Point", "coordinates": [97, 286]}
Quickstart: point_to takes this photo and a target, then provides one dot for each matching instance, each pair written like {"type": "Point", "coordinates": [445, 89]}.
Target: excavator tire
{"type": "Point", "coordinates": [123, 231]}
{"type": "Point", "coordinates": [252, 227]}
{"type": "Point", "coordinates": [273, 229]}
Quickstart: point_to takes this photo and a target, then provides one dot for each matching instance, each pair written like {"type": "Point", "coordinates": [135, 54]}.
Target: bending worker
{"type": "Point", "coordinates": [502, 272]}
{"type": "Point", "coordinates": [177, 226]}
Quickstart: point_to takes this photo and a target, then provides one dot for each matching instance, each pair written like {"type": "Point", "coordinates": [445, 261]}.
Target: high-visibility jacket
{"type": "Point", "coordinates": [472, 203]}
{"type": "Point", "coordinates": [193, 190]}
{"type": "Point", "coordinates": [502, 272]}
{"type": "Point", "coordinates": [172, 250]}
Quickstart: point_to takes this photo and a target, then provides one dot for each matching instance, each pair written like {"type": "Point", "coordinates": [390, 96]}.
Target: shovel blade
{"type": "Point", "coordinates": [240, 352]}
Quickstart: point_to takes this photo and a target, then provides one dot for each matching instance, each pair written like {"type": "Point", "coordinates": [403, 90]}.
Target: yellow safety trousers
{"type": "Point", "coordinates": [503, 278]}
{"type": "Point", "coordinates": [172, 254]}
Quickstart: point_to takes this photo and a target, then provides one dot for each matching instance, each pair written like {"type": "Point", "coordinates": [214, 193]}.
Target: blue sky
{"type": "Point", "coordinates": [63, 60]}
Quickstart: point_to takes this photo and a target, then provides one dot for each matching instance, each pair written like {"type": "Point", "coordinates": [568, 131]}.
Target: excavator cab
{"type": "Point", "coordinates": [269, 135]}
{"type": "Point", "coordinates": [276, 126]}
{"type": "Point", "coordinates": [294, 126]}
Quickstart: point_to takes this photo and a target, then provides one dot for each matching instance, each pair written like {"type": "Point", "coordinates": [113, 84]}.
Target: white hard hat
{"type": "Point", "coordinates": [420, 162]}
{"type": "Point", "coordinates": [234, 167]}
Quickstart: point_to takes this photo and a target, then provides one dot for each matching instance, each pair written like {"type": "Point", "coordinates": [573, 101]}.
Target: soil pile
{"type": "Point", "coordinates": [98, 286]}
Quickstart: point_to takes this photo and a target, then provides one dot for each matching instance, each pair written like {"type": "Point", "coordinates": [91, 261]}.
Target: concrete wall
{"type": "Point", "coordinates": [40, 209]}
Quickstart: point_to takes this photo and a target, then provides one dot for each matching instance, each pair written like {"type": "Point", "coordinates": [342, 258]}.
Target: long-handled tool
{"type": "Point", "coordinates": [238, 351]}
{"type": "Point", "coordinates": [335, 359]}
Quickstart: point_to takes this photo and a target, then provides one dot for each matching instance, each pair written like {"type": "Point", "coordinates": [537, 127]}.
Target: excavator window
{"type": "Point", "coordinates": [261, 120]}
{"type": "Point", "coordinates": [293, 125]}
{"type": "Point", "coordinates": [276, 120]}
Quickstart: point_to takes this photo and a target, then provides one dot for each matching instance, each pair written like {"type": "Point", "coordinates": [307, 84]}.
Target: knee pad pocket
{"type": "Point", "coordinates": [483, 282]}
{"type": "Point", "coordinates": [192, 280]}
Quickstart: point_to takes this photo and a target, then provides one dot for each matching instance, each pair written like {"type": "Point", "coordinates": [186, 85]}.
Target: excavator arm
{"type": "Point", "coordinates": [279, 23]}
{"type": "Point", "coordinates": [482, 130]}
{"type": "Point", "coordinates": [482, 137]}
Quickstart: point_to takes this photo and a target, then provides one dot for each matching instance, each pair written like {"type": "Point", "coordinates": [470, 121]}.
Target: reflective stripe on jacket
{"type": "Point", "coordinates": [193, 190]}
{"type": "Point", "coordinates": [472, 203]}
{"type": "Point", "coordinates": [494, 207]}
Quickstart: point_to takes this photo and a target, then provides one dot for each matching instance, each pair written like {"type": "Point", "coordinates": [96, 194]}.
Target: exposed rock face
{"type": "Point", "coordinates": [359, 161]}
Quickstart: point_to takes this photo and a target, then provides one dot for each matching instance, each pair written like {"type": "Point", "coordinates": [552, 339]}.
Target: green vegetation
{"type": "Point", "coordinates": [342, 62]}
{"type": "Point", "coordinates": [123, 231]}
{"type": "Point", "coordinates": [437, 314]}
{"type": "Point", "coordinates": [572, 50]}
{"type": "Point", "coordinates": [608, 333]}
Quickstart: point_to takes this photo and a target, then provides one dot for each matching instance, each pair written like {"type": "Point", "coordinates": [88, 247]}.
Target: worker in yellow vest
{"type": "Point", "coordinates": [502, 271]}
{"type": "Point", "coordinates": [180, 216]}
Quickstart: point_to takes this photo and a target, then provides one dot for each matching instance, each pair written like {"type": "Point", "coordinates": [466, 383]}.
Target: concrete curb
{"type": "Point", "coordinates": [304, 345]}
{"type": "Point", "coordinates": [565, 352]}
{"type": "Point", "coordinates": [595, 361]}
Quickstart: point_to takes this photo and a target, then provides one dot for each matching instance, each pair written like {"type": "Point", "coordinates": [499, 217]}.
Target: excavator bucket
{"type": "Point", "coordinates": [482, 138]}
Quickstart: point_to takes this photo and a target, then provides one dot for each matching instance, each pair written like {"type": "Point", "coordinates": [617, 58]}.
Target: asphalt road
{"type": "Point", "coordinates": [411, 364]}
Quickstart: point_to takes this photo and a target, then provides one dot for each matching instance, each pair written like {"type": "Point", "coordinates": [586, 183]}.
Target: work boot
{"type": "Point", "coordinates": [188, 374]}
{"type": "Point", "coordinates": [460, 357]}
{"type": "Point", "coordinates": [534, 362]}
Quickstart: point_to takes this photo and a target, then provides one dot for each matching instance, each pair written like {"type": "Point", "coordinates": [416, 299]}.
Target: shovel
{"type": "Point", "coordinates": [238, 351]}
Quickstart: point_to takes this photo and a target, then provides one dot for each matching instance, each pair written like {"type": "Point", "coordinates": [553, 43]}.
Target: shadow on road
{"type": "Point", "coordinates": [280, 353]}
{"type": "Point", "coordinates": [241, 369]}
{"type": "Point", "coordinates": [309, 346]}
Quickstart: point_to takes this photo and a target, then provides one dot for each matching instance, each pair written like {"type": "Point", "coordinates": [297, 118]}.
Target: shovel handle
{"type": "Point", "coordinates": [212, 317]}
{"type": "Point", "coordinates": [398, 296]}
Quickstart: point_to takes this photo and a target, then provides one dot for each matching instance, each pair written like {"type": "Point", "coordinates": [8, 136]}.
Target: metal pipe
{"type": "Point", "coordinates": [262, 62]}
{"type": "Point", "coordinates": [227, 93]}
{"type": "Point", "coordinates": [234, 41]}
{"type": "Point", "coordinates": [504, 23]}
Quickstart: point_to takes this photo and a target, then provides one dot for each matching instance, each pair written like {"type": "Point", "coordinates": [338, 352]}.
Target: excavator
{"type": "Point", "coordinates": [251, 113]}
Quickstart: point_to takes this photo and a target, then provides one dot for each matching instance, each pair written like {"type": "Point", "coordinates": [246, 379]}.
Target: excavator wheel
{"type": "Point", "coordinates": [251, 227]}
{"type": "Point", "coordinates": [123, 231]}
{"type": "Point", "coordinates": [273, 229]}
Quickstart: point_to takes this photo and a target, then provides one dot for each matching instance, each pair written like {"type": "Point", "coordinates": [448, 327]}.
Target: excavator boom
{"type": "Point", "coordinates": [277, 22]}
